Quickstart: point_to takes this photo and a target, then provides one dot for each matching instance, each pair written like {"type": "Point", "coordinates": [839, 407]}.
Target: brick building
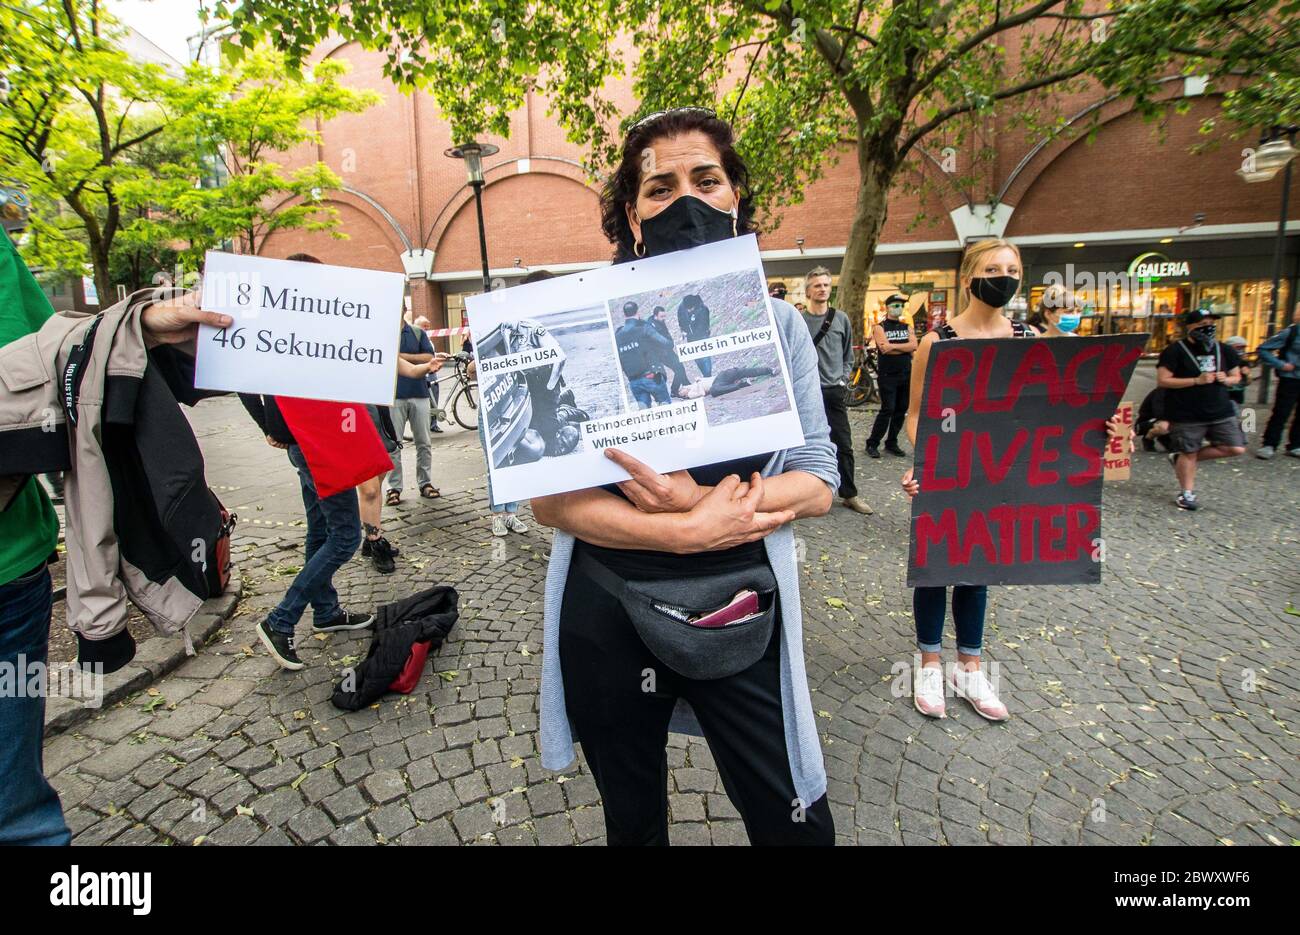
{"type": "Point", "coordinates": [1081, 211]}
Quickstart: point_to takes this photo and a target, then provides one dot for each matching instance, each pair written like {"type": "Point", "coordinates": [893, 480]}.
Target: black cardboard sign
{"type": "Point", "coordinates": [1009, 456]}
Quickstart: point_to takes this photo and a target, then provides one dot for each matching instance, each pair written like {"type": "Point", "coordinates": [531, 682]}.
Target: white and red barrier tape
{"type": "Point", "coordinates": [446, 332]}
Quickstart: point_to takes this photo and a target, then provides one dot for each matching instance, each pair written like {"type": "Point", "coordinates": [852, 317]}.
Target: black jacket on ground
{"type": "Point", "coordinates": [424, 617]}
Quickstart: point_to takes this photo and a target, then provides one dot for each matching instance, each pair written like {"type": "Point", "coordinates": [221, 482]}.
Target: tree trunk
{"type": "Point", "coordinates": [103, 282]}
{"type": "Point", "coordinates": [876, 162]}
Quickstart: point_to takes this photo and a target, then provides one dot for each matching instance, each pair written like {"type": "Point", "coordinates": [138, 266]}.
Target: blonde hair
{"type": "Point", "coordinates": [975, 252]}
{"type": "Point", "coordinates": [1055, 298]}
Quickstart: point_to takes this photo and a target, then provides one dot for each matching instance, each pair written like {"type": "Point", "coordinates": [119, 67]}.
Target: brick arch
{"type": "Point", "coordinates": [1125, 179]}
{"type": "Point", "coordinates": [376, 244]}
{"type": "Point", "coordinates": [1039, 157]}
{"type": "Point", "coordinates": [553, 209]}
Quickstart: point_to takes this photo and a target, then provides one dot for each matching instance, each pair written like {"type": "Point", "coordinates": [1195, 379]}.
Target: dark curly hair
{"type": "Point", "coordinates": [622, 185]}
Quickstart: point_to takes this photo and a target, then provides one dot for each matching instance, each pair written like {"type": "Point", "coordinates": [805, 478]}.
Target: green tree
{"type": "Point", "coordinates": [238, 117]}
{"type": "Point", "coordinates": [76, 108]}
{"type": "Point", "coordinates": [800, 79]}
{"type": "Point", "coordinates": [114, 151]}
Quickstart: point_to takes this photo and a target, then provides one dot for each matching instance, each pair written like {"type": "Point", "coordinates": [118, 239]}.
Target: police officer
{"type": "Point", "coordinates": [895, 342]}
{"type": "Point", "coordinates": [641, 354]}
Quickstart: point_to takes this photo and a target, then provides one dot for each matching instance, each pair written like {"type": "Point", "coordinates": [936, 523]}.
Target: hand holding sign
{"type": "Point", "coordinates": [652, 492]}
{"type": "Point", "coordinates": [176, 320]}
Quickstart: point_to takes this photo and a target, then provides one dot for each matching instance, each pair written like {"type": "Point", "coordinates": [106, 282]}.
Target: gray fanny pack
{"type": "Point", "coordinates": [661, 612]}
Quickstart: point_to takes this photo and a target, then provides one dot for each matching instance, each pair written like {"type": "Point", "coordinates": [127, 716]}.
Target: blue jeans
{"type": "Point", "coordinates": [968, 603]}
{"type": "Point", "coordinates": [505, 507]}
{"type": "Point", "coordinates": [30, 812]}
{"type": "Point", "coordinates": [648, 392]}
{"type": "Point", "coordinates": [706, 366]}
{"type": "Point", "coordinates": [333, 535]}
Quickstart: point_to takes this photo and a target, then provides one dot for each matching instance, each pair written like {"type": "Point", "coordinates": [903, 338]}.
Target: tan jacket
{"type": "Point", "coordinates": [38, 394]}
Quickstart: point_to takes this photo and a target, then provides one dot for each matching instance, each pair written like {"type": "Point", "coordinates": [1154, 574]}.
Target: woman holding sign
{"type": "Point", "coordinates": [658, 585]}
{"type": "Point", "coordinates": [990, 275]}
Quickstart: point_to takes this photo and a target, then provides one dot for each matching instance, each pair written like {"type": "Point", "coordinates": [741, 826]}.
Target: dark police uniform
{"type": "Point", "coordinates": [641, 350]}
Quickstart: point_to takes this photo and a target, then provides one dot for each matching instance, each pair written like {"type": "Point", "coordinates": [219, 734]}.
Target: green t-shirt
{"type": "Point", "coordinates": [29, 529]}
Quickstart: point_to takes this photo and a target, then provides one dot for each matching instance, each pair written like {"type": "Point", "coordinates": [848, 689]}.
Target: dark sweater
{"type": "Point", "coordinates": [267, 415]}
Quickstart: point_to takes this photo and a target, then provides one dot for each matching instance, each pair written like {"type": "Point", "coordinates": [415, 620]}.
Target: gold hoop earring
{"type": "Point", "coordinates": [634, 249]}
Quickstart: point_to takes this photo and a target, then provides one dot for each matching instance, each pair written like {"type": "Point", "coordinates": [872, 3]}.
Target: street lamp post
{"type": "Point", "coordinates": [473, 154]}
{"type": "Point", "coordinates": [1274, 153]}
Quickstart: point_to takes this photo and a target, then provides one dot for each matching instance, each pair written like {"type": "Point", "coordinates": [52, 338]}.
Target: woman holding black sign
{"type": "Point", "coordinates": [990, 274]}
{"type": "Point", "coordinates": [646, 575]}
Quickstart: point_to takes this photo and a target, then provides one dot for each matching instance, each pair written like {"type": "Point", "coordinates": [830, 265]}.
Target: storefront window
{"type": "Point", "coordinates": [456, 318]}
{"type": "Point", "coordinates": [1246, 307]}
{"type": "Point", "coordinates": [930, 293]}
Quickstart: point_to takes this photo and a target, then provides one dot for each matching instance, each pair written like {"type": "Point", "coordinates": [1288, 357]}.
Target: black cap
{"type": "Point", "coordinates": [1194, 315]}
{"type": "Point", "coordinates": [896, 299]}
{"type": "Point", "coordinates": [629, 309]}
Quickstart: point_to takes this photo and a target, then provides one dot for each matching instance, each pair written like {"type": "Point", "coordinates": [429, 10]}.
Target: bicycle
{"type": "Point", "coordinates": [864, 384]}
{"type": "Point", "coordinates": [464, 398]}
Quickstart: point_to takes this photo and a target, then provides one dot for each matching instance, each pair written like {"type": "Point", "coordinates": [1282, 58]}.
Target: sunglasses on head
{"type": "Point", "coordinates": [651, 118]}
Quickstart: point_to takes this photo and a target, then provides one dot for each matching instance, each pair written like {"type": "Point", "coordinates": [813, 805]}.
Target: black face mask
{"type": "Point", "coordinates": [687, 222]}
{"type": "Point", "coordinates": [1204, 336]}
{"type": "Point", "coordinates": [994, 291]}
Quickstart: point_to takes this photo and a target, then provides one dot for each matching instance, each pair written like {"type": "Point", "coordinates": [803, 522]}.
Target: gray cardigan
{"type": "Point", "coordinates": [816, 456]}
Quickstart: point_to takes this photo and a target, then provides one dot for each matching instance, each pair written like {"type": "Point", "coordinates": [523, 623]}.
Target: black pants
{"type": "Point", "coordinates": [736, 378]}
{"type": "Point", "coordinates": [894, 392]}
{"type": "Point", "coordinates": [620, 699]}
{"type": "Point", "coordinates": [835, 399]}
{"type": "Point", "coordinates": [1288, 393]}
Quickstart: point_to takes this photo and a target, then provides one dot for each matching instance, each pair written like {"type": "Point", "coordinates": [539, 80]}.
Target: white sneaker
{"type": "Point", "coordinates": [927, 691]}
{"type": "Point", "coordinates": [499, 525]}
{"type": "Point", "coordinates": [1264, 452]}
{"type": "Point", "coordinates": [515, 524]}
{"type": "Point", "coordinates": [1293, 453]}
{"type": "Point", "coordinates": [975, 688]}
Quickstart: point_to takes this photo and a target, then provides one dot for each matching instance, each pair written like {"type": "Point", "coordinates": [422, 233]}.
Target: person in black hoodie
{"type": "Point", "coordinates": [693, 319]}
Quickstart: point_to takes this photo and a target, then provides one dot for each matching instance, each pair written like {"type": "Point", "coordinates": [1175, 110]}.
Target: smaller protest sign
{"type": "Point", "coordinates": [675, 359]}
{"type": "Point", "coordinates": [1119, 457]}
{"type": "Point", "coordinates": [301, 329]}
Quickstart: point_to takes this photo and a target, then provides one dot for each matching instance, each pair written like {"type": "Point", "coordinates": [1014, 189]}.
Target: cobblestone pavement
{"type": "Point", "coordinates": [1153, 708]}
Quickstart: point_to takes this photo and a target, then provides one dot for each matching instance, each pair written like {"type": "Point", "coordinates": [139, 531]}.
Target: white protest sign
{"type": "Point", "coordinates": [674, 359]}
{"type": "Point", "coordinates": [301, 329]}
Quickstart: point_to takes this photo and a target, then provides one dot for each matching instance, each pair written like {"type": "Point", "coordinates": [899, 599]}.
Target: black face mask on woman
{"type": "Point", "coordinates": [994, 291]}
{"type": "Point", "coordinates": [687, 222]}
{"type": "Point", "coordinates": [1204, 336]}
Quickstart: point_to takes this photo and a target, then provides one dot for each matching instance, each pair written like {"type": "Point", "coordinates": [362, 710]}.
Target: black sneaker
{"type": "Point", "coordinates": [895, 450]}
{"type": "Point", "coordinates": [344, 620]}
{"type": "Point", "coordinates": [1187, 501]}
{"type": "Point", "coordinates": [381, 554]}
{"type": "Point", "coordinates": [873, 450]}
{"type": "Point", "coordinates": [435, 428]}
{"type": "Point", "coordinates": [365, 548]}
{"type": "Point", "coordinates": [280, 646]}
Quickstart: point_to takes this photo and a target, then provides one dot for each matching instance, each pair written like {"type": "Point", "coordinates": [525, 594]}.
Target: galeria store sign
{"type": "Point", "coordinates": [1153, 265]}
